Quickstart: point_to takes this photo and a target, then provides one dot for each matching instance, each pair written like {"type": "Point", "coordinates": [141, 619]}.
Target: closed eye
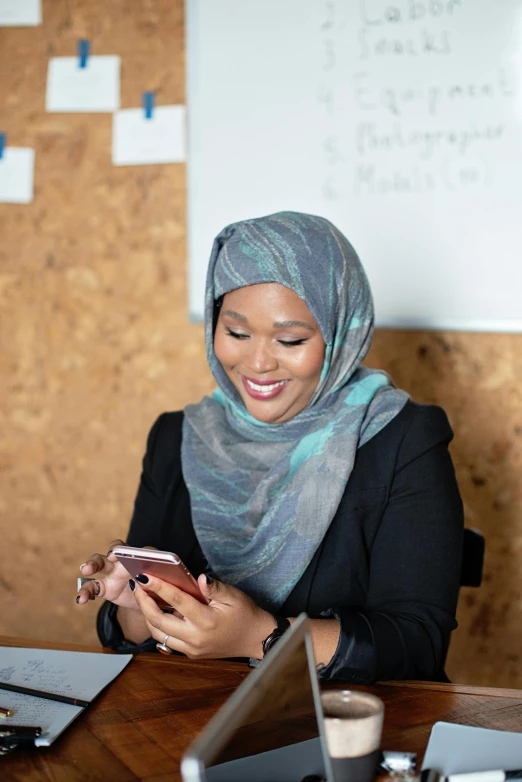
{"type": "Point", "coordinates": [235, 334]}
{"type": "Point", "coordinates": [288, 343]}
{"type": "Point", "coordinates": [291, 343]}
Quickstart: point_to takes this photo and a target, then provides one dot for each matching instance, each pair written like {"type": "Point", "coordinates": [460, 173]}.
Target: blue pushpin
{"type": "Point", "coordinates": [83, 52]}
{"type": "Point", "coordinates": [148, 104]}
{"type": "Point", "coordinates": [2, 144]}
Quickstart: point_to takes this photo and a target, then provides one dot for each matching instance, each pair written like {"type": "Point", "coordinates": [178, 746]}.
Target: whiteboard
{"type": "Point", "coordinates": [399, 120]}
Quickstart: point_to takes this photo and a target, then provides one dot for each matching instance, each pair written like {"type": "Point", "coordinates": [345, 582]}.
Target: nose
{"type": "Point", "coordinates": [260, 358]}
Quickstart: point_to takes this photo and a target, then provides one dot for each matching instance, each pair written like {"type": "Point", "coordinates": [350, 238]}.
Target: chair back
{"type": "Point", "coordinates": [473, 546]}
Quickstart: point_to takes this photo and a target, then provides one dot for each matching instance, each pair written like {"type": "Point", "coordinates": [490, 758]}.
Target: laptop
{"type": "Point", "coordinates": [271, 729]}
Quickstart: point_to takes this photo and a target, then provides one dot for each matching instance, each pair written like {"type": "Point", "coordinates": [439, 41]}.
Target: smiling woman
{"type": "Point", "coordinates": [306, 482]}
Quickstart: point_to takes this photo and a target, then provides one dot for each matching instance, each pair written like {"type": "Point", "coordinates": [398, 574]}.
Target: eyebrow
{"type": "Point", "coordinates": [288, 324]}
{"type": "Point", "coordinates": [236, 315]}
{"type": "Point", "coordinates": [279, 324]}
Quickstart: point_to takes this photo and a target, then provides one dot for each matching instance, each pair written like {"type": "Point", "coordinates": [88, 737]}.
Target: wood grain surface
{"type": "Point", "coordinates": [139, 727]}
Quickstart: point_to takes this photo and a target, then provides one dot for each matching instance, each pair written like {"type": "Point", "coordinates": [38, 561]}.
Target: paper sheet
{"type": "Point", "coordinates": [95, 88]}
{"type": "Point", "coordinates": [17, 175]}
{"type": "Point", "coordinates": [459, 749]}
{"type": "Point", "coordinates": [137, 140]}
{"type": "Point", "coordinates": [20, 13]}
{"type": "Point", "coordinates": [77, 674]}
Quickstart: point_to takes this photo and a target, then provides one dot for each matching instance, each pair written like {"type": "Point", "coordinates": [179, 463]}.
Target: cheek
{"type": "Point", "coordinates": [219, 348]}
{"type": "Point", "coordinates": [310, 365]}
{"type": "Point", "coordinates": [225, 350]}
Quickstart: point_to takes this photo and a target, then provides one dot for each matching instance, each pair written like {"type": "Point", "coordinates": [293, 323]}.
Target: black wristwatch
{"type": "Point", "coordinates": [282, 626]}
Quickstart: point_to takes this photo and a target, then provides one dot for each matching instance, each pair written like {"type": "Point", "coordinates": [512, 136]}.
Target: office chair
{"type": "Point", "coordinates": [473, 546]}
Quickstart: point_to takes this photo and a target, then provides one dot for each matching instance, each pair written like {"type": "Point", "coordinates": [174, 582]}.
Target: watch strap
{"type": "Point", "coordinates": [282, 625]}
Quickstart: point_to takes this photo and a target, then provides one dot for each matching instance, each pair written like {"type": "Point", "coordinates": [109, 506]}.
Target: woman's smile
{"type": "Point", "coordinates": [263, 389]}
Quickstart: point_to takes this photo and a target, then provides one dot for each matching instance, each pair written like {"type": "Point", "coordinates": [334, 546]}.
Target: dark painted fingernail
{"type": "Point", "coordinates": [77, 598]}
{"type": "Point", "coordinates": [209, 580]}
{"type": "Point", "coordinates": [132, 585]}
{"type": "Point", "coordinates": [142, 579]}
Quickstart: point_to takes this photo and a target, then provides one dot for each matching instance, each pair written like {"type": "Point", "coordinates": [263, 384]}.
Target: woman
{"type": "Point", "coordinates": [304, 483]}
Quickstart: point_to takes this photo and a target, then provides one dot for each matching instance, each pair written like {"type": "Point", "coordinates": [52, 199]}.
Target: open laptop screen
{"type": "Point", "coordinates": [268, 729]}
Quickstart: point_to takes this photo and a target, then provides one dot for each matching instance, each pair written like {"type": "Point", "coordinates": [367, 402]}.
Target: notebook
{"type": "Point", "coordinates": [77, 674]}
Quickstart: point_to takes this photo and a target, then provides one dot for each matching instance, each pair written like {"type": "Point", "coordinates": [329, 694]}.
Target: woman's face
{"type": "Point", "coordinates": [271, 348]}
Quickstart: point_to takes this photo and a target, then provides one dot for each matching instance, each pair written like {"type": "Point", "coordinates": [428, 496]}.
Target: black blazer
{"type": "Point", "coordinates": [388, 567]}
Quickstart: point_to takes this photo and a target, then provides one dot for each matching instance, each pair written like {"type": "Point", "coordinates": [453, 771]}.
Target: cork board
{"type": "Point", "coordinates": [95, 343]}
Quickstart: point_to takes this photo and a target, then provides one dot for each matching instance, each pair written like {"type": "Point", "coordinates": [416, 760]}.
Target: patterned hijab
{"type": "Point", "coordinates": [263, 495]}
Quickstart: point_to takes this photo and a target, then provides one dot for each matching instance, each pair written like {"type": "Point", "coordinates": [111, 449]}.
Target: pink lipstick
{"type": "Point", "coordinates": [263, 389]}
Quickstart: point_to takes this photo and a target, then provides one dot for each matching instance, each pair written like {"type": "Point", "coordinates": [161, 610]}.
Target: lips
{"type": "Point", "coordinates": [263, 389]}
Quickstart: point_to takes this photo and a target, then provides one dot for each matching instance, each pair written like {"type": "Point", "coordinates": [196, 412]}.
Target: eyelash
{"type": "Point", "coordinates": [287, 343]}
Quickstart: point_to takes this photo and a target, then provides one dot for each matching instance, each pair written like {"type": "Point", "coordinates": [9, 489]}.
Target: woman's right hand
{"type": "Point", "coordinates": [112, 580]}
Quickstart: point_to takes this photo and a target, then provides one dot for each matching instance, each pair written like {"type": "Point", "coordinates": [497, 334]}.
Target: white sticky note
{"type": "Point", "coordinates": [20, 13]}
{"type": "Point", "coordinates": [95, 88]}
{"type": "Point", "coordinates": [137, 140]}
{"type": "Point", "coordinates": [17, 175]}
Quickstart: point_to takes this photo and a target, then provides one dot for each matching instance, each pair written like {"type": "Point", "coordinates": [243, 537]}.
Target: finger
{"type": "Point", "coordinates": [147, 605]}
{"type": "Point", "coordinates": [89, 591]}
{"type": "Point", "coordinates": [215, 591]}
{"type": "Point", "coordinates": [181, 601]}
{"type": "Point", "coordinates": [96, 563]}
{"type": "Point", "coordinates": [172, 641]}
{"type": "Point", "coordinates": [158, 619]}
{"type": "Point", "coordinates": [112, 544]}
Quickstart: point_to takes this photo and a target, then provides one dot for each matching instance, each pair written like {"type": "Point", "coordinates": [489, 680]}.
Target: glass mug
{"type": "Point", "coordinates": [353, 727]}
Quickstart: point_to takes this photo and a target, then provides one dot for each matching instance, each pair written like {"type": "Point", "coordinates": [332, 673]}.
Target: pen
{"type": "Point", "coordinates": [485, 776]}
{"type": "Point", "coordinates": [13, 735]}
{"type": "Point", "coordinates": [6, 712]}
{"type": "Point", "coordinates": [29, 731]}
{"type": "Point", "coordinates": [51, 696]}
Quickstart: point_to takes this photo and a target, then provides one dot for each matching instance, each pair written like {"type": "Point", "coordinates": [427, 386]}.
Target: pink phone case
{"type": "Point", "coordinates": [162, 564]}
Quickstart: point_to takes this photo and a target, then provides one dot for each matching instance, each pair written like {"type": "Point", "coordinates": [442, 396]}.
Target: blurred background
{"type": "Point", "coordinates": [96, 342]}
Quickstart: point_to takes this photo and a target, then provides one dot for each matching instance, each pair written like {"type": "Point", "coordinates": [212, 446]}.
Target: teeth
{"type": "Point", "coordinates": [265, 389]}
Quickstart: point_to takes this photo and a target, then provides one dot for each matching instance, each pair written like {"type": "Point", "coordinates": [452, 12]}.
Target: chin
{"type": "Point", "coordinates": [266, 418]}
{"type": "Point", "coordinates": [264, 415]}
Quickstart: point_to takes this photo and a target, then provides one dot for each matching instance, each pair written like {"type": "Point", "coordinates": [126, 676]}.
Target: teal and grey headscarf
{"type": "Point", "coordinates": [263, 495]}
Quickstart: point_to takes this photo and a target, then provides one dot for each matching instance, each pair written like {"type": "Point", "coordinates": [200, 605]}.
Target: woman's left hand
{"type": "Point", "coordinates": [231, 625]}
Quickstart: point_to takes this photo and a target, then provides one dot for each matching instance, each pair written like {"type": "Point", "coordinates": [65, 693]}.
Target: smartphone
{"type": "Point", "coordinates": [162, 564]}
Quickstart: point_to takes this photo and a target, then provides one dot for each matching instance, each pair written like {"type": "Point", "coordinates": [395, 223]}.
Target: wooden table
{"type": "Point", "coordinates": [140, 726]}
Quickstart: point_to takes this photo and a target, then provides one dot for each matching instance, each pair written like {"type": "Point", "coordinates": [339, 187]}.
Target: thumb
{"type": "Point", "coordinates": [212, 589]}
